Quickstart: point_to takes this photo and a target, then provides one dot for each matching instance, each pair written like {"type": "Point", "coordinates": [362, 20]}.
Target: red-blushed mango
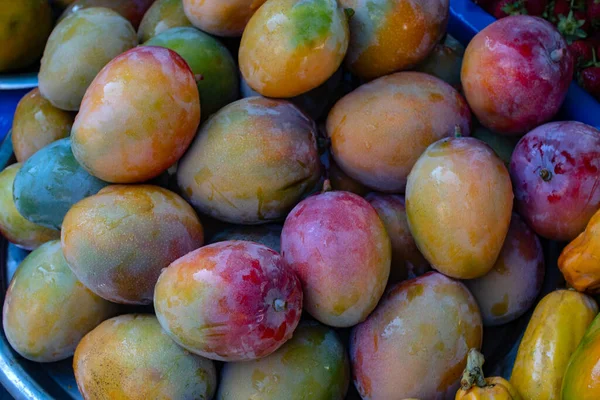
{"type": "Point", "coordinates": [37, 123]}
{"type": "Point", "coordinates": [13, 225]}
{"type": "Point", "coordinates": [555, 170]}
{"type": "Point", "coordinates": [292, 46]}
{"type": "Point", "coordinates": [513, 284]}
{"type": "Point", "coordinates": [516, 73]}
{"type": "Point", "coordinates": [131, 357]}
{"type": "Point", "coordinates": [162, 15]}
{"type": "Point", "coordinates": [78, 48]}
{"type": "Point", "coordinates": [24, 29]}
{"type": "Point", "coordinates": [117, 241]}
{"type": "Point", "coordinates": [415, 343]}
{"type": "Point", "coordinates": [392, 35]}
{"type": "Point", "coordinates": [379, 130]}
{"type": "Point", "coordinates": [132, 10]}
{"type": "Point", "coordinates": [229, 301]}
{"type": "Point", "coordinates": [221, 17]}
{"type": "Point", "coordinates": [340, 250]}
{"type": "Point", "coordinates": [407, 260]}
{"type": "Point", "coordinates": [459, 218]}
{"type": "Point", "coordinates": [47, 310]}
{"type": "Point", "coordinates": [138, 116]}
{"type": "Point", "coordinates": [251, 162]}
{"type": "Point", "coordinates": [313, 365]}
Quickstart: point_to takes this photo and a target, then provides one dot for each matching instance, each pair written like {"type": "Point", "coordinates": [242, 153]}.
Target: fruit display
{"type": "Point", "coordinates": [300, 200]}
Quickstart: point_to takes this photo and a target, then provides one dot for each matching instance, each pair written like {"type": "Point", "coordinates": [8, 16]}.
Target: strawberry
{"type": "Point", "coordinates": [561, 7]}
{"type": "Point", "coordinates": [589, 79]}
{"type": "Point", "coordinates": [582, 52]}
{"type": "Point", "coordinates": [504, 8]}
{"type": "Point", "coordinates": [582, 16]}
{"type": "Point", "coordinates": [536, 7]}
{"type": "Point", "coordinates": [593, 13]}
{"type": "Point", "coordinates": [571, 27]}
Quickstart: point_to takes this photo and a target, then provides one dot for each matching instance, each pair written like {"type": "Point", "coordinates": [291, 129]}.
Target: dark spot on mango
{"type": "Point", "coordinates": [501, 308]}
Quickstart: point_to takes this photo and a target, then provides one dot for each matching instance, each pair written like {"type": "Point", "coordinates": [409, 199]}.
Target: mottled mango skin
{"type": "Point", "coordinates": [24, 28]}
{"type": "Point", "coordinates": [251, 162]}
{"type": "Point", "coordinates": [555, 170]}
{"type": "Point", "coordinates": [441, 186]}
{"type": "Point", "coordinates": [138, 116]}
{"type": "Point", "coordinates": [206, 56]}
{"type": "Point", "coordinates": [516, 73]}
{"type": "Point", "coordinates": [379, 130]}
{"type": "Point", "coordinates": [221, 17]}
{"type": "Point", "coordinates": [415, 343]}
{"type": "Point", "coordinates": [393, 35]}
{"type": "Point", "coordinates": [340, 250]}
{"type": "Point", "coordinates": [555, 329]}
{"type": "Point", "coordinates": [407, 260]}
{"type": "Point", "coordinates": [13, 225]}
{"type": "Point", "coordinates": [513, 284]}
{"type": "Point", "coordinates": [37, 123]}
{"type": "Point", "coordinates": [162, 15]}
{"type": "Point", "coordinates": [581, 380]}
{"type": "Point", "coordinates": [132, 10]}
{"type": "Point", "coordinates": [47, 310]}
{"type": "Point", "coordinates": [131, 357]}
{"type": "Point", "coordinates": [78, 48]}
{"type": "Point", "coordinates": [50, 183]}
{"type": "Point", "coordinates": [229, 301]}
{"type": "Point", "coordinates": [269, 235]}
{"type": "Point", "coordinates": [292, 46]}
{"type": "Point", "coordinates": [314, 102]}
{"type": "Point", "coordinates": [117, 241]}
{"type": "Point", "coordinates": [312, 365]}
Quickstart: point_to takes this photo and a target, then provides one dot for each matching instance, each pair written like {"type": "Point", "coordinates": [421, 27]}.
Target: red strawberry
{"type": "Point", "coordinates": [504, 8]}
{"type": "Point", "coordinates": [582, 16]}
{"type": "Point", "coordinates": [536, 7]}
{"type": "Point", "coordinates": [571, 27]}
{"type": "Point", "coordinates": [561, 7]}
{"type": "Point", "coordinates": [593, 13]}
{"type": "Point", "coordinates": [581, 51]}
{"type": "Point", "coordinates": [589, 79]}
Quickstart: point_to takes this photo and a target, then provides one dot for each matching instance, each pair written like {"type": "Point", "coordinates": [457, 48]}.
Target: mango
{"type": "Point", "coordinates": [78, 48]}
{"type": "Point", "coordinates": [37, 123]}
{"type": "Point", "coordinates": [251, 162]}
{"type": "Point", "coordinates": [578, 260]}
{"type": "Point", "coordinates": [445, 61]}
{"type": "Point", "coordinates": [47, 310]}
{"type": "Point", "coordinates": [118, 241]}
{"type": "Point", "coordinates": [407, 260]}
{"type": "Point", "coordinates": [379, 130]}
{"type": "Point", "coordinates": [340, 250]}
{"type": "Point", "coordinates": [313, 365]}
{"type": "Point", "coordinates": [292, 46]}
{"type": "Point", "coordinates": [206, 56]}
{"type": "Point", "coordinates": [50, 183]}
{"type": "Point", "coordinates": [24, 28]}
{"type": "Point", "coordinates": [512, 285]}
{"type": "Point", "coordinates": [162, 15]}
{"type": "Point", "coordinates": [132, 10]}
{"type": "Point", "coordinates": [13, 225]}
{"type": "Point", "coordinates": [131, 357]}
{"type": "Point", "coordinates": [229, 301]}
{"type": "Point", "coordinates": [138, 116]}
{"type": "Point", "coordinates": [440, 187]}
{"type": "Point", "coordinates": [556, 327]}
{"type": "Point", "coordinates": [221, 17]}
{"type": "Point", "coordinates": [393, 35]}
{"type": "Point", "coordinates": [581, 381]}
{"type": "Point", "coordinates": [415, 343]}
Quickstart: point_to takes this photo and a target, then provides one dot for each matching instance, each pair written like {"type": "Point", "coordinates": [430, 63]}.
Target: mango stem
{"type": "Point", "coordinates": [473, 374]}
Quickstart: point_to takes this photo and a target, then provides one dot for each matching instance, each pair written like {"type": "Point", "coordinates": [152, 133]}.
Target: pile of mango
{"type": "Point", "coordinates": [271, 199]}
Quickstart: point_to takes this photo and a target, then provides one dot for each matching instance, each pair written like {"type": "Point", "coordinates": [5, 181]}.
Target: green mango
{"type": "Point", "coordinates": [50, 182]}
{"type": "Point", "coordinates": [162, 15]}
{"type": "Point", "coordinates": [312, 365]}
{"type": "Point", "coordinates": [210, 61]}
